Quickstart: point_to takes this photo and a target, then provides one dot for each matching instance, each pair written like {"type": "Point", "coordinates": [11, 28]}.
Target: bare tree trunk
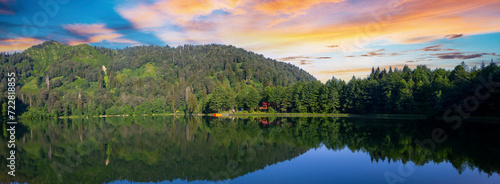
{"type": "Point", "coordinates": [187, 94]}
{"type": "Point", "coordinates": [47, 81]}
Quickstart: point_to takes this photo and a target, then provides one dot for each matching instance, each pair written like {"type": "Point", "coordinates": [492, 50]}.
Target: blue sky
{"type": "Point", "coordinates": [327, 38]}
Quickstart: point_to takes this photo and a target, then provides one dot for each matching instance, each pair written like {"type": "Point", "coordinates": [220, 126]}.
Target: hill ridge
{"type": "Point", "coordinates": [167, 75]}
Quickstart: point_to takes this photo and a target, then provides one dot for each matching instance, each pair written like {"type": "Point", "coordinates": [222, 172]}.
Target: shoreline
{"type": "Point", "coordinates": [378, 116]}
{"type": "Point", "coordinates": [226, 115]}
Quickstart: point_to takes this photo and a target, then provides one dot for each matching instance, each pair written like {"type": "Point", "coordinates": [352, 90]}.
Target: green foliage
{"type": "Point", "coordinates": [57, 83]}
{"type": "Point", "coordinates": [34, 113]}
{"type": "Point", "coordinates": [86, 80]}
{"type": "Point", "coordinates": [152, 79]}
{"type": "Point", "coordinates": [30, 88]}
{"type": "Point", "coordinates": [113, 110]}
{"type": "Point", "coordinates": [271, 110]}
{"type": "Point", "coordinates": [221, 99]}
{"type": "Point", "coordinates": [252, 98]}
{"type": "Point", "coordinates": [4, 109]}
{"type": "Point", "coordinates": [126, 110]}
{"type": "Point", "coordinates": [418, 91]}
{"type": "Point", "coordinates": [192, 104]}
{"type": "Point", "coordinates": [145, 108]}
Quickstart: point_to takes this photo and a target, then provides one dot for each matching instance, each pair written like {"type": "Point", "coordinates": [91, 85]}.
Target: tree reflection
{"type": "Point", "coordinates": [152, 149]}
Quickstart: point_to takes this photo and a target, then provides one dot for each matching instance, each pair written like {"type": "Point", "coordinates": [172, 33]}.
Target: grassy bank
{"type": "Point", "coordinates": [261, 114]}
{"type": "Point", "coordinates": [256, 114]}
{"type": "Point", "coordinates": [380, 116]}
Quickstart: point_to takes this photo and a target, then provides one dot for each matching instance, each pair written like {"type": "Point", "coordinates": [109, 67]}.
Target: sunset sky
{"type": "Point", "coordinates": [327, 38]}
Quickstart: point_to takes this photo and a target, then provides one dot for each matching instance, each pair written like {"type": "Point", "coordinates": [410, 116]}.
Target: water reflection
{"type": "Point", "coordinates": [153, 149]}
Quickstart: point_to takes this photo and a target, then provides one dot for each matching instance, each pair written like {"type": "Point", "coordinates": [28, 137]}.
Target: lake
{"type": "Point", "coordinates": [182, 149]}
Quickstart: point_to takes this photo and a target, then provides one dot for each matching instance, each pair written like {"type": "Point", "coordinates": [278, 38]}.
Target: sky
{"type": "Point", "coordinates": [327, 38]}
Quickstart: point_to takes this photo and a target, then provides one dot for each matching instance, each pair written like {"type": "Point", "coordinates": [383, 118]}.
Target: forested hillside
{"type": "Point", "coordinates": [58, 80]}
{"type": "Point", "coordinates": [55, 79]}
{"type": "Point", "coordinates": [461, 92]}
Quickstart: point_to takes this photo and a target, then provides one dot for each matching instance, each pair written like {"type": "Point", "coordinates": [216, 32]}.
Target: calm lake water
{"type": "Point", "coordinates": [252, 150]}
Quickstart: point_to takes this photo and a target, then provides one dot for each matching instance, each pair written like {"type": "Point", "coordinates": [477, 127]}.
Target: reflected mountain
{"type": "Point", "coordinates": [161, 148]}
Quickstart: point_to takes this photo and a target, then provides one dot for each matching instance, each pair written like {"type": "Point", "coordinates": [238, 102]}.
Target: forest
{"type": "Point", "coordinates": [54, 80]}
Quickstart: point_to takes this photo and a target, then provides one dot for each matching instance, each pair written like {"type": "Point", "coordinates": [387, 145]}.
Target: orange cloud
{"type": "Point", "coordinates": [18, 44]}
{"type": "Point", "coordinates": [95, 33]}
{"type": "Point", "coordinates": [18, 40]}
{"type": "Point", "coordinates": [88, 29]}
{"type": "Point", "coordinates": [173, 11]}
{"type": "Point", "coordinates": [289, 6]}
{"type": "Point", "coordinates": [408, 23]}
{"type": "Point", "coordinates": [280, 29]}
{"type": "Point", "coordinates": [186, 7]}
{"type": "Point", "coordinates": [358, 72]}
{"type": "Point", "coordinates": [422, 21]}
{"type": "Point", "coordinates": [344, 74]}
{"type": "Point", "coordinates": [143, 16]}
{"type": "Point", "coordinates": [344, 71]}
{"type": "Point", "coordinates": [194, 7]}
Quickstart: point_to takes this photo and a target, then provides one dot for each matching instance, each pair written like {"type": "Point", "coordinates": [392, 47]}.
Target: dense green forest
{"type": "Point", "coordinates": [56, 80]}
{"type": "Point", "coordinates": [59, 80]}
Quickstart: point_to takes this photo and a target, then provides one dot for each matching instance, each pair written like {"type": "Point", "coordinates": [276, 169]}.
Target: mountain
{"type": "Point", "coordinates": [73, 80]}
{"type": "Point", "coordinates": [57, 80]}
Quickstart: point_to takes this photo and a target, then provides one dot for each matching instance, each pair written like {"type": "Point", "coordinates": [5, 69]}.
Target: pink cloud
{"type": "Point", "coordinates": [172, 12]}
{"type": "Point", "coordinates": [278, 26]}
{"type": "Point", "coordinates": [289, 6]}
{"type": "Point", "coordinates": [5, 7]}
{"type": "Point", "coordinates": [95, 33]}
{"type": "Point", "coordinates": [88, 29]}
{"type": "Point", "coordinates": [17, 44]}
{"type": "Point", "coordinates": [280, 29]}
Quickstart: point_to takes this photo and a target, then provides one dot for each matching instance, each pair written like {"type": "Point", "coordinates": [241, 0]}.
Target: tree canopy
{"type": "Point", "coordinates": [57, 80]}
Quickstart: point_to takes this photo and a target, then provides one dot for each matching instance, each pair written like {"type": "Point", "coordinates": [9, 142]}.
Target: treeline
{"type": "Point", "coordinates": [399, 91]}
{"type": "Point", "coordinates": [59, 80]}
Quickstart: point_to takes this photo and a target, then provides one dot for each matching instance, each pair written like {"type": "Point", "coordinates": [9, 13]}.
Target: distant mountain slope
{"type": "Point", "coordinates": [68, 80]}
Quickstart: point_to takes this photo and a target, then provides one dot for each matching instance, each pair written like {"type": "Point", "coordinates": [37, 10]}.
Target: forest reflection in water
{"type": "Point", "coordinates": [168, 148]}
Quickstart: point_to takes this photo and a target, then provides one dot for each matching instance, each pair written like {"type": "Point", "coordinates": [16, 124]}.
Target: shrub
{"type": "Point", "coordinates": [271, 110]}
